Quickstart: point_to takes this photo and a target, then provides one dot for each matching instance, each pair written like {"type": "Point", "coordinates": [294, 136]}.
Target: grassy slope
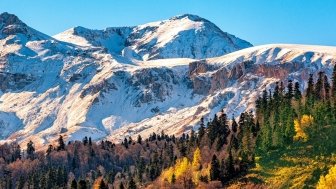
{"type": "Point", "coordinates": [297, 166]}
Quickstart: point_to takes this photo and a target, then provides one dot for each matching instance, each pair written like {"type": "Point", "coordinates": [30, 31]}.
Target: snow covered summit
{"type": "Point", "coordinates": [184, 36]}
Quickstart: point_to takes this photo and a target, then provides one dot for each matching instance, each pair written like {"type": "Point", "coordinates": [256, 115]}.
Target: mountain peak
{"type": "Point", "coordinates": [9, 19]}
{"type": "Point", "coordinates": [182, 36]}
{"type": "Point", "coordinates": [189, 16]}
{"type": "Point", "coordinates": [10, 24]}
{"type": "Point", "coordinates": [79, 29]}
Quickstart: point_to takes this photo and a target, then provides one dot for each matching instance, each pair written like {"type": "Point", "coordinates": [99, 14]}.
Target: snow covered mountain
{"type": "Point", "coordinates": [185, 36]}
{"type": "Point", "coordinates": [87, 85]}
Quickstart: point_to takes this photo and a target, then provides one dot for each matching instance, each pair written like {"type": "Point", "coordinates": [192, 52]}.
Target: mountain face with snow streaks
{"type": "Point", "coordinates": [185, 36]}
{"type": "Point", "coordinates": [125, 81]}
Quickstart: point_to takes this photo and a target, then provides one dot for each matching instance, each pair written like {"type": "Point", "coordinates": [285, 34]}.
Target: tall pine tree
{"type": "Point", "coordinates": [214, 169]}
{"type": "Point", "coordinates": [297, 92]}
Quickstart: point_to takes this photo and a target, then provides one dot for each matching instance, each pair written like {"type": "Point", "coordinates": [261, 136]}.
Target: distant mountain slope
{"type": "Point", "coordinates": [234, 81]}
{"type": "Point", "coordinates": [50, 87]}
{"type": "Point", "coordinates": [185, 36]}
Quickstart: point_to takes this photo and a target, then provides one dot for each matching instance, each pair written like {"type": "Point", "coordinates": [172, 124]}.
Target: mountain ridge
{"type": "Point", "coordinates": [149, 41]}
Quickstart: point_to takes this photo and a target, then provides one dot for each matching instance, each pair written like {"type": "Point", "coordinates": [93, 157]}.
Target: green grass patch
{"type": "Point", "coordinates": [298, 165]}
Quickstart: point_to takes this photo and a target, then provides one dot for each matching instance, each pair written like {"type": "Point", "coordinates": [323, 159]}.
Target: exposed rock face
{"type": "Point", "coordinates": [155, 84]}
{"type": "Point", "coordinates": [14, 81]}
{"type": "Point", "coordinates": [9, 19]}
{"type": "Point", "coordinates": [221, 77]}
{"type": "Point", "coordinates": [199, 67]}
{"type": "Point", "coordinates": [227, 76]}
{"type": "Point", "coordinates": [11, 24]}
{"type": "Point", "coordinates": [103, 86]}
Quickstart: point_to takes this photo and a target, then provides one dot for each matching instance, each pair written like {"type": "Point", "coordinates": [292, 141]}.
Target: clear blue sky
{"type": "Point", "coordinates": [257, 21]}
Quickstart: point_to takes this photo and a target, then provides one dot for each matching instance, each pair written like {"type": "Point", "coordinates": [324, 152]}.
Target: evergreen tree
{"type": "Point", "coordinates": [192, 139]}
{"type": "Point", "coordinates": [90, 141]}
{"type": "Point", "coordinates": [75, 159]}
{"type": "Point", "coordinates": [121, 186]}
{"type": "Point", "coordinates": [264, 102]}
{"type": "Point", "coordinates": [170, 153]}
{"type": "Point", "coordinates": [140, 168]}
{"type": "Point", "coordinates": [61, 176]}
{"type": "Point", "coordinates": [333, 90]}
{"type": "Point", "coordinates": [214, 169]}
{"type": "Point", "coordinates": [246, 141]}
{"type": "Point", "coordinates": [266, 136]}
{"type": "Point", "coordinates": [173, 180]}
{"type": "Point", "coordinates": [289, 116]}
{"type": "Point", "coordinates": [16, 152]}
{"type": "Point", "coordinates": [201, 130]}
{"type": "Point", "coordinates": [102, 185]}
{"type": "Point", "coordinates": [85, 140]}
{"type": "Point", "coordinates": [82, 184]}
{"type": "Point", "coordinates": [310, 91]}
{"type": "Point", "coordinates": [229, 166]}
{"type": "Point", "coordinates": [125, 143]}
{"type": "Point", "coordinates": [289, 94]}
{"type": "Point", "coordinates": [30, 149]}
{"type": "Point", "coordinates": [326, 87]}
{"type": "Point", "coordinates": [276, 93]}
{"type": "Point", "coordinates": [241, 126]}
{"type": "Point", "coordinates": [61, 144]}
{"type": "Point", "coordinates": [49, 150]}
{"type": "Point", "coordinates": [139, 140]}
{"type": "Point", "coordinates": [223, 131]}
{"type": "Point", "coordinates": [21, 182]}
{"type": "Point", "coordinates": [297, 92]}
{"type": "Point", "coordinates": [131, 184]}
{"type": "Point", "coordinates": [318, 91]}
{"type": "Point", "coordinates": [235, 142]}
{"type": "Point", "coordinates": [255, 129]}
{"type": "Point", "coordinates": [234, 126]}
{"type": "Point", "coordinates": [281, 89]}
{"type": "Point", "coordinates": [213, 129]}
{"type": "Point", "coordinates": [73, 184]}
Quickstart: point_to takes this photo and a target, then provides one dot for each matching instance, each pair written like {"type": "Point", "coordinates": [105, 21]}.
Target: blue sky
{"type": "Point", "coordinates": [257, 21]}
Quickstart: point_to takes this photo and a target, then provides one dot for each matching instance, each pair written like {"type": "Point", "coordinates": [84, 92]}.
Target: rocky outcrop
{"type": "Point", "coordinates": [199, 67]}
{"type": "Point", "coordinates": [218, 78]}
{"type": "Point", "coordinates": [14, 81]}
{"type": "Point", "coordinates": [11, 24]}
{"type": "Point", "coordinates": [103, 86]}
{"type": "Point", "coordinates": [154, 84]}
{"type": "Point", "coordinates": [226, 76]}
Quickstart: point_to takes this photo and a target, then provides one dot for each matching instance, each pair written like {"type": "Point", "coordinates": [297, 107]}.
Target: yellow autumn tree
{"type": "Point", "coordinates": [300, 126]}
{"type": "Point", "coordinates": [197, 160]}
{"type": "Point", "coordinates": [168, 174]}
{"type": "Point", "coordinates": [299, 133]}
{"type": "Point", "coordinates": [306, 121]}
{"type": "Point", "coordinates": [196, 166]}
{"type": "Point", "coordinates": [328, 181]}
{"type": "Point", "coordinates": [182, 167]}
